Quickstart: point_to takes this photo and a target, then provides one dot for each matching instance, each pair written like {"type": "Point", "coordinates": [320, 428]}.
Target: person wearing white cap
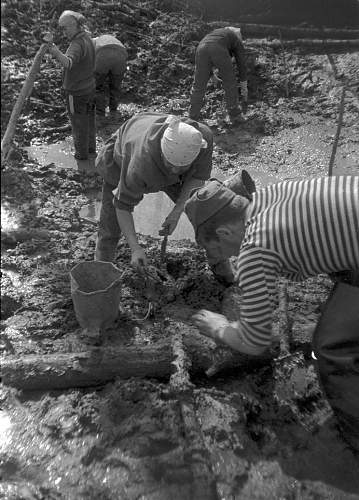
{"type": "Point", "coordinates": [214, 56]}
{"type": "Point", "coordinates": [150, 152]}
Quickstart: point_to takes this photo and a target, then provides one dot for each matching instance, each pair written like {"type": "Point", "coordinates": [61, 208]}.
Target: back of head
{"type": "Point", "coordinates": [236, 31]}
{"type": "Point", "coordinates": [181, 142]}
{"type": "Point", "coordinates": [70, 16]}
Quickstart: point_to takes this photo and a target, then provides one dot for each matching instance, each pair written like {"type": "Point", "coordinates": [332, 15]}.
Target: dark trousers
{"type": "Point", "coordinates": [81, 110]}
{"type": "Point", "coordinates": [208, 57]}
{"type": "Point", "coordinates": [336, 346]}
{"type": "Point", "coordinates": [109, 231]}
{"type": "Point", "coordinates": [110, 69]}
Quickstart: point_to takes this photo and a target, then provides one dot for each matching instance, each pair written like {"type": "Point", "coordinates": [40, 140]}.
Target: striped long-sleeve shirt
{"type": "Point", "coordinates": [295, 229]}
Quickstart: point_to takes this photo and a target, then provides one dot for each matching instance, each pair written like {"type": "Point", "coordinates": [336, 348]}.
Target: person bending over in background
{"type": "Point", "coordinates": [79, 85]}
{"type": "Point", "coordinates": [150, 152]}
{"type": "Point", "coordinates": [111, 58]}
{"type": "Point", "coordinates": [296, 229]}
{"type": "Point", "coordinates": [215, 50]}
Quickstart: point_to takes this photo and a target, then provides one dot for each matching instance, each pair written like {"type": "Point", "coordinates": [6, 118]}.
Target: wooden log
{"type": "Point", "coordinates": [337, 133]}
{"type": "Point", "coordinates": [307, 43]}
{"type": "Point", "coordinates": [126, 7]}
{"type": "Point", "coordinates": [204, 484]}
{"type": "Point", "coordinates": [24, 93]}
{"type": "Point", "coordinates": [290, 32]}
{"type": "Point", "coordinates": [99, 365]}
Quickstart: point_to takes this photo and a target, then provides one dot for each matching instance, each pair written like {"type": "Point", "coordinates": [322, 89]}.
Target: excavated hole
{"type": "Point", "coordinates": [176, 269]}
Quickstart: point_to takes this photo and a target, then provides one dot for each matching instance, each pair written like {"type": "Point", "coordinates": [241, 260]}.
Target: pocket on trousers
{"type": "Point", "coordinates": [80, 104]}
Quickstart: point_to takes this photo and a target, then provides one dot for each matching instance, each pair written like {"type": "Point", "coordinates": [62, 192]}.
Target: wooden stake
{"type": "Point", "coordinates": [24, 93]}
{"type": "Point", "coordinates": [337, 134]}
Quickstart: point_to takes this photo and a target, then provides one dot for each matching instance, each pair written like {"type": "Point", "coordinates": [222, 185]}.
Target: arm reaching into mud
{"type": "Point", "coordinates": [218, 328]}
{"type": "Point", "coordinates": [127, 225]}
{"type": "Point", "coordinates": [171, 221]}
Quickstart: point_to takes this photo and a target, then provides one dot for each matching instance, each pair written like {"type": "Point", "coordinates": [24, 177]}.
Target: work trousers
{"type": "Point", "coordinates": [110, 69]}
{"type": "Point", "coordinates": [336, 346]}
{"type": "Point", "coordinates": [81, 110]}
{"type": "Point", "coordinates": [207, 57]}
{"type": "Point", "coordinates": [109, 231]}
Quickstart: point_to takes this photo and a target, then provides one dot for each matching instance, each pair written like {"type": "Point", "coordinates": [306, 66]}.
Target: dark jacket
{"type": "Point", "coordinates": [79, 79]}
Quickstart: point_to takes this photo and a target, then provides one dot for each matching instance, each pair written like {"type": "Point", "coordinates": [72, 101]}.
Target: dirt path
{"type": "Point", "coordinates": [255, 433]}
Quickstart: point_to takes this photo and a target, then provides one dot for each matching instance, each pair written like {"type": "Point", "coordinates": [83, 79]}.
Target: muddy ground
{"type": "Point", "coordinates": [256, 432]}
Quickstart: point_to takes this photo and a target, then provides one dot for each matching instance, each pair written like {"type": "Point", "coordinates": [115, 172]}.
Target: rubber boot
{"type": "Point", "coordinates": [235, 116]}
{"type": "Point", "coordinates": [336, 347]}
{"type": "Point", "coordinates": [86, 167]}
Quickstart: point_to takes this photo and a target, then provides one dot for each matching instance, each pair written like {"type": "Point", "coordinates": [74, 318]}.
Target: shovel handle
{"type": "Point", "coordinates": [24, 93]}
{"type": "Point", "coordinates": [163, 248]}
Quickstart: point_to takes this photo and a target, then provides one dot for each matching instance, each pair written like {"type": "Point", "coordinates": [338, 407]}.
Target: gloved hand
{"type": "Point", "coordinates": [48, 37]}
{"type": "Point", "coordinates": [244, 90]}
{"type": "Point", "coordinates": [170, 223]}
{"type": "Point", "coordinates": [138, 258]}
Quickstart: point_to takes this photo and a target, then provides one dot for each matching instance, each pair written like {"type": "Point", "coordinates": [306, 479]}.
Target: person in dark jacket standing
{"type": "Point", "coordinates": [216, 50]}
{"type": "Point", "coordinates": [79, 85]}
{"type": "Point", "coordinates": [111, 57]}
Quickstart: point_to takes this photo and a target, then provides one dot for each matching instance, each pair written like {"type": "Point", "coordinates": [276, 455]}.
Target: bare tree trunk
{"type": "Point", "coordinates": [100, 365]}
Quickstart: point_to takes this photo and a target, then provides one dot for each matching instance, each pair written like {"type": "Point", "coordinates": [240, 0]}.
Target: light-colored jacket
{"type": "Point", "coordinates": [106, 41]}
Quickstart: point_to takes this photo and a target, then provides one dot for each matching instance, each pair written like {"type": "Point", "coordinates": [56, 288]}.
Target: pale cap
{"type": "Point", "coordinates": [181, 142]}
{"type": "Point", "coordinates": [68, 14]}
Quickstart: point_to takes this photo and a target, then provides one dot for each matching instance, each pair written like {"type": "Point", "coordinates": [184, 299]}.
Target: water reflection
{"type": "Point", "coordinates": [59, 153]}
{"type": "Point", "coordinates": [5, 427]}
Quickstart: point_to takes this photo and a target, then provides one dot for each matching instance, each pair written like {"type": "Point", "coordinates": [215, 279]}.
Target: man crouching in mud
{"type": "Point", "coordinates": [296, 229]}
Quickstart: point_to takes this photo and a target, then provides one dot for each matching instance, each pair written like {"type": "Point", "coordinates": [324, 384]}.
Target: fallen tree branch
{"type": "Point", "coordinates": [255, 30]}
{"type": "Point", "coordinates": [285, 64]}
{"type": "Point", "coordinates": [204, 486]}
{"type": "Point", "coordinates": [24, 93]}
{"type": "Point", "coordinates": [53, 130]}
{"type": "Point", "coordinates": [307, 43]}
{"type": "Point", "coordinates": [337, 133]}
{"type": "Point", "coordinates": [126, 8]}
{"type": "Point", "coordinates": [99, 365]}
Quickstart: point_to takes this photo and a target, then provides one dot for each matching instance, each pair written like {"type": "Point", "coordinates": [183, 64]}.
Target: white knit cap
{"type": "Point", "coordinates": [181, 143]}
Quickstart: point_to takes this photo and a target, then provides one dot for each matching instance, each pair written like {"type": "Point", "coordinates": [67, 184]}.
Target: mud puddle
{"type": "Point", "coordinates": [59, 153]}
{"type": "Point", "coordinates": [154, 208]}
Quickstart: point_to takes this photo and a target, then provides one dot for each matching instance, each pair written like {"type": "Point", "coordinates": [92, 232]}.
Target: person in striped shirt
{"type": "Point", "coordinates": [295, 229]}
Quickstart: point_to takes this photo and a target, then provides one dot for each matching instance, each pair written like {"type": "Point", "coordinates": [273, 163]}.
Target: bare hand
{"type": "Point", "coordinates": [170, 222]}
{"type": "Point", "coordinates": [48, 37]}
{"type": "Point", "coordinates": [211, 324]}
{"type": "Point", "coordinates": [138, 258]}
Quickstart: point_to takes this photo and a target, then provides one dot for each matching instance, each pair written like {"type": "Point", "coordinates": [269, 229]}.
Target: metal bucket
{"type": "Point", "coordinates": [95, 292]}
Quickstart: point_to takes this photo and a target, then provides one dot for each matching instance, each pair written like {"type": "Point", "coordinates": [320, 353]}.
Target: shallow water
{"type": "Point", "coordinates": [59, 153]}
